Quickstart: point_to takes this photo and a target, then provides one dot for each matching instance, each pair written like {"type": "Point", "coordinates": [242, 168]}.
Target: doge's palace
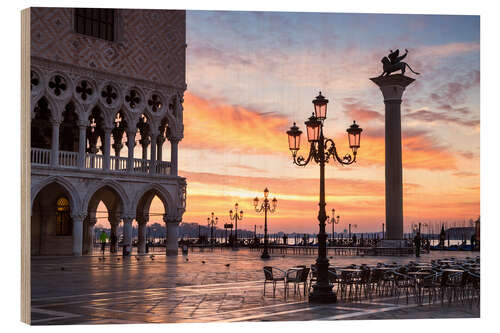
{"type": "Point", "coordinates": [107, 91]}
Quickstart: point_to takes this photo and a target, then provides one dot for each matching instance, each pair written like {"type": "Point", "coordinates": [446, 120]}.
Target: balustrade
{"type": "Point", "coordinates": [93, 161]}
{"type": "Point", "coordinates": [163, 168]}
{"type": "Point", "coordinates": [40, 156]}
{"type": "Point", "coordinates": [118, 163]}
{"type": "Point", "coordinates": [141, 165]}
{"type": "Point", "coordinates": [68, 159]}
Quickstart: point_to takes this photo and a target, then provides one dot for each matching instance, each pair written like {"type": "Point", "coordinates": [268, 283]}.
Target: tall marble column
{"type": "Point", "coordinates": [172, 234]}
{"type": "Point", "coordinates": [77, 233]}
{"type": "Point", "coordinates": [392, 87]}
{"type": "Point", "coordinates": [127, 235]}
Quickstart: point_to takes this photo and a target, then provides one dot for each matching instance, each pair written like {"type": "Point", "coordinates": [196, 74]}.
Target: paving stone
{"type": "Point", "coordinates": [171, 289]}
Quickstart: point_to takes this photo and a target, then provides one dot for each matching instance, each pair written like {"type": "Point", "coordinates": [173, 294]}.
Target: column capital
{"type": "Point", "coordinates": [160, 139]}
{"type": "Point", "coordinates": [83, 123]}
{"type": "Point", "coordinates": [142, 219]}
{"type": "Point", "coordinates": [92, 221]}
{"type": "Point", "coordinates": [170, 219]}
{"type": "Point", "coordinates": [392, 86]}
{"type": "Point", "coordinates": [78, 216]}
{"type": "Point", "coordinates": [127, 219]}
{"type": "Point", "coordinates": [174, 139]}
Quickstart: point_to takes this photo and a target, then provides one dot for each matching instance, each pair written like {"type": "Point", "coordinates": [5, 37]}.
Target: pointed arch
{"type": "Point", "coordinates": [144, 197]}
{"type": "Point", "coordinates": [112, 184]}
{"type": "Point", "coordinates": [72, 192]}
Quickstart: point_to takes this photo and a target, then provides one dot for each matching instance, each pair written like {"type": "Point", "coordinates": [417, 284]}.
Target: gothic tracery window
{"type": "Point", "coordinates": [41, 128]}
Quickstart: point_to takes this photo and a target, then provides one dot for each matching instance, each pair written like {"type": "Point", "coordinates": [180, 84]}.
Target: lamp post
{"type": "Point", "coordinates": [265, 207]}
{"type": "Point", "coordinates": [383, 230]}
{"type": "Point", "coordinates": [211, 222]}
{"type": "Point", "coordinates": [235, 217]}
{"type": "Point", "coordinates": [321, 150]}
{"type": "Point", "coordinates": [333, 222]}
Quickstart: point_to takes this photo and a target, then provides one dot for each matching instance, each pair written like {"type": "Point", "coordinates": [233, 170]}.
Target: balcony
{"type": "Point", "coordinates": [70, 160]}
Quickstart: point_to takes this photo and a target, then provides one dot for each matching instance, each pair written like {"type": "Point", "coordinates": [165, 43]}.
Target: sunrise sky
{"type": "Point", "coordinates": [251, 74]}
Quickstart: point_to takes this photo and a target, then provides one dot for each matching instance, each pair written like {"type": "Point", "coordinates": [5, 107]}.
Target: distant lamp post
{"type": "Point", "coordinates": [333, 222]}
{"type": "Point", "coordinates": [321, 150]}
{"type": "Point", "coordinates": [266, 206]}
{"type": "Point", "coordinates": [211, 222]}
{"type": "Point", "coordinates": [235, 217]}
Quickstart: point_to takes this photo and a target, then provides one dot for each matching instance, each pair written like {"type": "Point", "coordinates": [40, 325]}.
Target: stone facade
{"type": "Point", "coordinates": [92, 99]}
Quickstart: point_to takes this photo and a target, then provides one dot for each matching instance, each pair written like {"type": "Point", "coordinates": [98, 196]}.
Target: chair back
{"type": "Point", "coordinates": [268, 272]}
{"type": "Point", "coordinates": [332, 276]}
{"type": "Point", "coordinates": [314, 271]}
{"type": "Point", "coordinates": [304, 274]}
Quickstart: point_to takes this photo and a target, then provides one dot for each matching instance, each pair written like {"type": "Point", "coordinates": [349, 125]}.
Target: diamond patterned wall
{"type": "Point", "coordinates": [150, 44]}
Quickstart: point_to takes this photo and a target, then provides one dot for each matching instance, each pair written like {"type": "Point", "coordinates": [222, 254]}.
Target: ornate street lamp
{"type": "Point", "coordinates": [333, 222]}
{"type": "Point", "coordinates": [266, 206]}
{"type": "Point", "coordinates": [211, 222]}
{"type": "Point", "coordinates": [321, 150]}
{"type": "Point", "coordinates": [235, 217]}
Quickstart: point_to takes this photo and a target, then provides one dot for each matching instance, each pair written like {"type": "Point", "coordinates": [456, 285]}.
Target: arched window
{"type": "Point", "coordinates": [63, 219]}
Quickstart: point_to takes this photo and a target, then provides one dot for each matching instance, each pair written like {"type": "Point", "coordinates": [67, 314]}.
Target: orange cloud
{"type": "Point", "coordinates": [420, 151]}
{"type": "Point", "coordinates": [214, 125]}
{"type": "Point", "coordinates": [211, 124]}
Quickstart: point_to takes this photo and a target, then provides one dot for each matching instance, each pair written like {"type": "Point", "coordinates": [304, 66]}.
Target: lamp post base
{"type": "Point", "coordinates": [265, 255]}
{"type": "Point", "coordinates": [322, 295]}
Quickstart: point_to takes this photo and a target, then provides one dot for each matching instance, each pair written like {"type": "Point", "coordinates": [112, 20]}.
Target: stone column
{"type": "Point", "coordinates": [114, 224]}
{"type": "Point", "coordinates": [142, 221]}
{"type": "Point", "coordinates": [174, 156]}
{"type": "Point", "coordinates": [152, 163]}
{"type": "Point", "coordinates": [77, 233]}
{"type": "Point", "coordinates": [82, 144]}
{"type": "Point", "coordinates": [159, 155]}
{"type": "Point", "coordinates": [127, 235]}
{"type": "Point", "coordinates": [172, 230]}
{"type": "Point", "coordinates": [54, 156]}
{"type": "Point", "coordinates": [392, 88]}
{"type": "Point", "coordinates": [130, 147]}
{"type": "Point", "coordinates": [145, 143]}
{"type": "Point", "coordinates": [89, 232]}
{"type": "Point", "coordinates": [106, 147]}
